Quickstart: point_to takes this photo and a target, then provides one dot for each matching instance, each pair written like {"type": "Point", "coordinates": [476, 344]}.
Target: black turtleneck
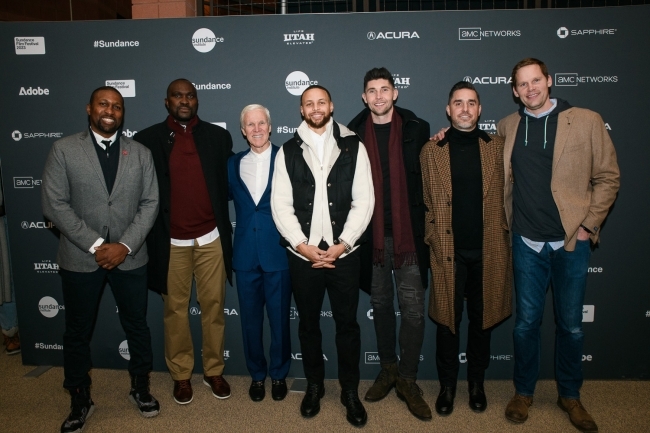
{"type": "Point", "coordinates": [467, 187]}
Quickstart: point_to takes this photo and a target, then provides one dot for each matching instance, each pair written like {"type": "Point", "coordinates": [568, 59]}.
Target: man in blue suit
{"type": "Point", "coordinates": [259, 261]}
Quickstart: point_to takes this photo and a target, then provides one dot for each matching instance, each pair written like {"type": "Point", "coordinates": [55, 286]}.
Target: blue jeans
{"type": "Point", "coordinates": [567, 273]}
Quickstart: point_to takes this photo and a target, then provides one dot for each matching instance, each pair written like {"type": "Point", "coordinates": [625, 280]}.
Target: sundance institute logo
{"type": "Point", "coordinates": [124, 350]}
{"type": "Point", "coordinates": [204, 40]}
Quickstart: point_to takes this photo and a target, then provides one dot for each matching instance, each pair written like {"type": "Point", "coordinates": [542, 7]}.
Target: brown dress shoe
{"type": "Point", "coordinates": [12, 344]}
{"type": "Point", "coordinates": [517, 409]}
{"type": "Point", "coordinates": [578, 415]}
{"type": "Point", "coordinates": [220, 387]}
{"type": "Point", "coordinates": [183, 391]}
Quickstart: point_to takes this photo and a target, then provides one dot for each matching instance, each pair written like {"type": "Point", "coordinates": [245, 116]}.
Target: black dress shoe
{"type": "Point", "coordinates": [257, 391]}
{"type": "Point", "coordinates": [477, 400]}
{"type": "Point", "coordinates": [445, 401]}
{"type": "Point", "coordinates": [278, 389]}
{"type": "Point", "coordinates": [356, 413]}
{"type": "Point", "coordinates": [310, 405]}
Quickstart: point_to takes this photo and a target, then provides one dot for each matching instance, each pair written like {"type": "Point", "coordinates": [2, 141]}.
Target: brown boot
{"type": "Point", "coordinates": [517, 409]}
{"type": "Point", "coordinates": [408, 391]}
{"type": "Point", "coordinates": [385, 381]}
{"type": "Point", "coordinates": [578, 415]}
{"type": "Point", "coordinates": [12, 344]}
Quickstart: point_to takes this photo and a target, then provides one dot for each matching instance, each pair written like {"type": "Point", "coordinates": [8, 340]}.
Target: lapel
{"type": "Point", "coordinates": [509, 144]}
{"type": "Point", "coordinates": [441, 160]}
{"type": "Point", "coordinates": [89, 149]}
{"type": "Point", "coordinates": [562, 135]}
{"type": "Point", "coordinates": [240, 181]}
{"type": "Point", "coordinates": [488, 161]}
{"type": "Point", "coordinates": [124, 155]}
{"type": "Point", "coordinates": [267, 191]}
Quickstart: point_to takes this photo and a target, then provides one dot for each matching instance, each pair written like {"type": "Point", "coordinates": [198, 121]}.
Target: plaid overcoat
{"type": "Point", "coordinates": [497, 256]}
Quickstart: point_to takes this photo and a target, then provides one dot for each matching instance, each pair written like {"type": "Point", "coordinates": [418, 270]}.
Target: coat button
{"type": "Point", "coordinates": [110, 203]}
{"type": "Point", "coordinates": [333, 223]}
{"type": "Point", "coordinates": [449, 259]}
{"type": "Point", "coordinates": [448, 232]}
{"type": "Point", "coordinates": [307, 222]}
{"type": "Point", "coordinates": [329, 184]}
{"type": "Point", "coordinates": [166, 210]}
{"type": "Point", "coordinates": [309, 204]}
{"type": "Point", "coordinates": [330, 203]}
{"type": "Point", "coordinates": [448, 203]}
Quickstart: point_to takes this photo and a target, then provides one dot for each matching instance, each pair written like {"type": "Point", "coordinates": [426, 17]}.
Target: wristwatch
{"type": "Point", "coordinates": [347, 246]}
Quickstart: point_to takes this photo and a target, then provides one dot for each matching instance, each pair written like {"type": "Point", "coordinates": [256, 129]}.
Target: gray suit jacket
{"type": "Point", "coordinates": [76, 200]}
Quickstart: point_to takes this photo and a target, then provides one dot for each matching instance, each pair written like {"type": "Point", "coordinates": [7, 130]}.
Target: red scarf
{"type": "Point", "coordinates": [403, 243]}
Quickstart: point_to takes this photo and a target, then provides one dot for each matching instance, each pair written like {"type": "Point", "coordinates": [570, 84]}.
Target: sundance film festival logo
{"type": "Point", "coordinates": [488, 80]}
{"type": "Point", "coordinates": [46, 267]}
{"type": "Point", "coordinates": [563, 32]}
{"type": "Point", "coordinates": [573, 79]}
{"type": "Point", "coordinates": [115, 44]}
{"type": "Point", "coordinates": [45, 346]}
{"type": "Point", "coordinates": [299, 37]}
{"type": "Point", "coordinates": [588, 312]}
{"type": "Point", "coordinates": [125, 87]}
{"type": "Point", "coordinates": [204, 40]}
{"type": "Point", "coordinates": [124, 350]}
{"type": "Point", "coordinates": [17, 135]}
{"type": "Point", "coordinates": [297, 81]}
{"type": "Point", "coordinates": [29, 45]}
{"type": "Point", "coordinates": [37, 225]}
{"type": "Point", "coordinates": [30, 91]}
{"type": "Point", "coordinates": [477, 33]}
{"type": "Point", "coordinates": [401, 82]}
{"type": "Point", "coordinates": [392, 35]}
{"type": "Point", "coordinates": [24, 182]}
{"type": "Point", "coordinates": [49, 307]}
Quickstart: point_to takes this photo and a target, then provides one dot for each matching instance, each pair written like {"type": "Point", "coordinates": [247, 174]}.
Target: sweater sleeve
{"type": "Point", "coordinates": [363, 199]}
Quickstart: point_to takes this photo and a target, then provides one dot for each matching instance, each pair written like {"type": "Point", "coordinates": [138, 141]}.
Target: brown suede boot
{"type": "Point", "coordinates": [517, 409]}
{"type": "Point", "coordinates": [409, 391]}
{"type": "Point", "coordinates": [578, 415]}
{"type": "Point", "coordinates": [383, 384]}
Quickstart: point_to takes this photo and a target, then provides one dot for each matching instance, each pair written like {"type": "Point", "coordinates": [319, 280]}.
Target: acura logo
{"type": "Point", "coordinates": [194, 311]}
{"type": "Point", "coordinates": [24, 224]}
{"type": "Point", "coordinates": [372, 36]}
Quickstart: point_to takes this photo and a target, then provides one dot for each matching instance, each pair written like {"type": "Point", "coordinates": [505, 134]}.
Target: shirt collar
{"type": "Point", "coordinates": [545, 113]}
{"type": "Point", "coordinates": [99, 139]}
{"type": "Point", "coordinates": [266, 154]}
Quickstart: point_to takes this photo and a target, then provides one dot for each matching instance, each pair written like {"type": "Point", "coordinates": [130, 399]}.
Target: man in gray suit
{"type": "Point", "coordinates": [100, 191]}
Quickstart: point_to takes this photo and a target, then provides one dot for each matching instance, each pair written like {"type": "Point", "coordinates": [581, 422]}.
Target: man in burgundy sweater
{"type": "Point", "coordinates": [191, 237]}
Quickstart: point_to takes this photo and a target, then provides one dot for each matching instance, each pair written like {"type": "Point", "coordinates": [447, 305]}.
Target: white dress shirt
{"type": "Point", "coordinates": [254, 171]}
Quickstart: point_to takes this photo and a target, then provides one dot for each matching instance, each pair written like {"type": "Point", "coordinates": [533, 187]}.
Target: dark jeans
{"type": "Point", "coordinates": [410, 294]}
{"type": "Point", "coordinates": [567, 274]}
{"type": "Point", "coordinates": [342, 286]}
{"type": "Point", "coordinates": [81, 295]}
{"type": "Point", "coordinates": [469, 285]}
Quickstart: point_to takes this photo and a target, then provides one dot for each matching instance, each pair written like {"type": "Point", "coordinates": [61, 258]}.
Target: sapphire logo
{"type": "Point", "coordinates": [562, 32]}
{"type": "Point", "coordinates": [16, 135]}
{"type": "Point", "coordinates": [462, 357]}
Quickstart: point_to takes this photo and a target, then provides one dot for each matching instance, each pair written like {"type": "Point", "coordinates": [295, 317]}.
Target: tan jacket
{"type": "Point", "coordinates": [497, 263]}
{"type": "Point", "coordinates": [585, 176]}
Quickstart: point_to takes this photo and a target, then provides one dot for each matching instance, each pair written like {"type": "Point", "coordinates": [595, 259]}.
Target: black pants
{"type": "Point", "coordinates": [81, 295]}
{"type": "Point", "coordinates": [342, 286]}
{"type": "Point", "coordinates": [469, 285]}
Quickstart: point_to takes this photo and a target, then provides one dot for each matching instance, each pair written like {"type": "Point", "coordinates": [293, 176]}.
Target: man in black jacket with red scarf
{"type": "Point", "coordinates": [394, 137]}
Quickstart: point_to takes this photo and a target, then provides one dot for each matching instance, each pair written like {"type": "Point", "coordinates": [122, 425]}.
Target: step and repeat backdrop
{"type": "Point", "coordinates": [596, 58]}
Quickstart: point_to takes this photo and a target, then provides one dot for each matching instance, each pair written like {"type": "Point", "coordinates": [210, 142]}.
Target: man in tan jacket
{"type": "Point", "coordinates": [562, 179]}
{"type": "Point", "coordinates": [466, 229]}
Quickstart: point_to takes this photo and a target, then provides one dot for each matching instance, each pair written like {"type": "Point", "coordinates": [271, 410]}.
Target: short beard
{"type": "Point", "coordinates": [319, 125]}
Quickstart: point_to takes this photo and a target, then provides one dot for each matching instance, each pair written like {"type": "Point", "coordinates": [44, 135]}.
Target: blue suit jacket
{"type": "Point", "coordinates": [257, 240]}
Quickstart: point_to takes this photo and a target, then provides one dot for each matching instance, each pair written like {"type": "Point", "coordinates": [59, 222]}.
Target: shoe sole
{"type": "Point", "coordinates": [13, 352]}
{"type": "Point", "coordinates": [184, 402]}
{"type": "Point", "coordinates": [90, 412]}
{"type": "Point", "coordinates": [575, 425]}
{"type": "Point", "coordinates": [144, 414]}
{"type": "Point", "coordinates": [210, 386]}
{"type": "Point", "coordinates": [516, 420]}
{"type": "Point", "coordinates": [421, 418]}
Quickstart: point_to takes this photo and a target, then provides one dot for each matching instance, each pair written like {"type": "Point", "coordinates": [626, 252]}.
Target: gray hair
{"type": "Point", "coordinates": [252, 107]}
